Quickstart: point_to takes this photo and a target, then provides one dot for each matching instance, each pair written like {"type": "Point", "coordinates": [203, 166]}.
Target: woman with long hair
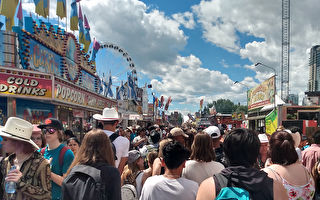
{"type": "Point", "coordinates": [286, 168]}
{"type": "Point", "coordinates": [316, 176]}
{"type": "Point", "coordinates": [96, 151]}
{"type": "Point", "coordinates": [132, 173]}
{"type": "Point", "coordinates": [202, 164]}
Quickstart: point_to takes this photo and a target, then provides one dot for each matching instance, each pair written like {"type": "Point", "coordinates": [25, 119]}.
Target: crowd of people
{"type": "Point", "coordinates": [156, 162]}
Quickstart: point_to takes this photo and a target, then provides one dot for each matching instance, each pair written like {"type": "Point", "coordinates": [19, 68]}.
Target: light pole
{"type": "Point", "coordinates": [275, 88]}
{"type": "Point", "coordinates": [237, 82]}
{"type": "Point", "coordinates": [273, 69]}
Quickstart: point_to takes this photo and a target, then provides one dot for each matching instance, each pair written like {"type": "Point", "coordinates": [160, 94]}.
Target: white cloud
{"type": "Point", "coordinates": [221, 20]}
{"type": "Point", "coordinates": [188, 82]}
{"type": "Point", "coordinates": [186, 19]}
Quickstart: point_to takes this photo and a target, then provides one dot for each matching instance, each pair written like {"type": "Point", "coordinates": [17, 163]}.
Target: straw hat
{"type": "Point", "coordinates": [108, 114]}
{"type": "Point", "coordinates": [18, 129]}
{"type": "Point", "coordinates": [178, 131]}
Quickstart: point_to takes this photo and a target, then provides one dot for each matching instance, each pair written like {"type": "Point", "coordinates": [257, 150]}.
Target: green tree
{"type": "Point", "coordinates": [224, 106]}
{"type": "Point", "coordinates": [180, 119]}
{"type": "Point", "coordinates": [241, 109]}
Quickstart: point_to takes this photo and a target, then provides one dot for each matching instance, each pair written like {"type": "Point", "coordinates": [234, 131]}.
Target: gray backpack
{"type": "Point", "coordinates": [129, 192]}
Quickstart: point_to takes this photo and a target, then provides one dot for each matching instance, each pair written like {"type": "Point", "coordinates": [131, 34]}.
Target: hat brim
{"type": "Point", "coordinates": [42, 126]}
{"type": "Point", "coordinates": [101, 118]}
{"type": "Point", "coordinates": [5, 134]}
{"type": "Point", "coordinates": [185, 135]}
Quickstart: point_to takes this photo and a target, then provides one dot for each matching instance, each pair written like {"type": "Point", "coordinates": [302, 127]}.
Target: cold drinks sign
{"type": "Point", "coordinates": [21, 85]}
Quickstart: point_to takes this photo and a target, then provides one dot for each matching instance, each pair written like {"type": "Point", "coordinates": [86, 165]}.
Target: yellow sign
{"type": "Point", "coordinates": [271, 122]}
{"type": "Point", "coordinates": [262, 94]}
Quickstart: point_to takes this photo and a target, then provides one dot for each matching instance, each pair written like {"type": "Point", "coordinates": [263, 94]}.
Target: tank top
{"type": "Point", "coordinates": [296, 192]}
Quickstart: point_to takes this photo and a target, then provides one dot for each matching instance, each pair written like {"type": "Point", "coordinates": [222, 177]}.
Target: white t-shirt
{"type": "Point", "coordinates": [298, 150]}
{"type": "Point", "coordinates": [199, 171]}
{"type": "Point", "coordinates": [160, 187]}
{"type": "Point", "coordinates": [122, 145]}
{"type": "Point", "coordinates": [136, 139]}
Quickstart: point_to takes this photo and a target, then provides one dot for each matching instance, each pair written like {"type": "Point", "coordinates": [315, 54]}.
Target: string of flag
{"type": "Point", "coordinates": [78, 21]}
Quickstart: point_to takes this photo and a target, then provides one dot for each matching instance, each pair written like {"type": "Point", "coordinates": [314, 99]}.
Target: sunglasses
{"type": "Point", "coordinates": [48, 130]}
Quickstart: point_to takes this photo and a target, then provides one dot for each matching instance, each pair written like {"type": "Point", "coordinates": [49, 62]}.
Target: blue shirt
{"type": "Point", "coordinates": [132, 136]}
{"type": "Point", "coordinates": [56, 168]}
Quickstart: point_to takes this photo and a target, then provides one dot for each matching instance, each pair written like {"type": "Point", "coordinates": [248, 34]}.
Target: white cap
{"type": "Point", "coordinates": [213, 132]}
{"type": "Point", "coordinates": [263, 138]}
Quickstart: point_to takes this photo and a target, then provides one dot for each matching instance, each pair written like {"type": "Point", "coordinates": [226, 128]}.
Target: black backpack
{"type": "Point", "coordinates": [83, 183]}
{"type": "Point", "coordinates": [112, 138]}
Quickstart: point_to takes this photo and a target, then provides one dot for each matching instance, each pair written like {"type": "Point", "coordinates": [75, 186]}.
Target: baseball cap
{"type": "Point", "coordinates": [133, 156]}
{"type": "Point", "coordinates": [213, 132]}
{"type": "Point", "coordinates": [51, 122]}
{"type": "Point", "coordinates": [178, 131]}
{"type": "Point", "coordinates": [263, 138]}
{"type": "Point", "coordinates": [155, 136]}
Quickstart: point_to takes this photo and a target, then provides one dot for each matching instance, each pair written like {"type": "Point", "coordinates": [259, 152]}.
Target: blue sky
{"type": "Point", "coordinates": [192, 49]}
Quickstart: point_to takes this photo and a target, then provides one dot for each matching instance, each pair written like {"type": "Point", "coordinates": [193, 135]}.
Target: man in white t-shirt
{"type": "Point", "coordinates": [171, 185]}
{"type": "Point", "coordinates": [110, 119]}
{"type": "Point", "coordinates": [140, 140]}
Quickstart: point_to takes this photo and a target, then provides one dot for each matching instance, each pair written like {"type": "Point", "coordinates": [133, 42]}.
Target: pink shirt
{"type": "Point", "coordinates": [310, 156]}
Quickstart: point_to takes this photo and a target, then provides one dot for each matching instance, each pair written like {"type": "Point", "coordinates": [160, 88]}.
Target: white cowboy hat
{"type": "Point", "coordinates": [108, 114]}
{"type": "Point", "coordinates": [18, 129]}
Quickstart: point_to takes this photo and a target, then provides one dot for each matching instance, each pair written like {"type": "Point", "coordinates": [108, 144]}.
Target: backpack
{"type": "Point", "coordinates": [112, 138]}
{"type": "Point", "coordinates": [225, 190]}
{"type": "Point", "coordinates": [83, 183]}
{"type": "Point", "coordinates": [129, 191]}
{"type": "Point", "coordinates": [61, 154]}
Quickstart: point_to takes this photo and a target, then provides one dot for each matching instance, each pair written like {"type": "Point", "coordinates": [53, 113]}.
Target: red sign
{"type": "Point", "coordinates": [25, 84]}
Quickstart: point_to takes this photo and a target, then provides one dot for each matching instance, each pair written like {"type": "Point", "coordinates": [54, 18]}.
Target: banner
{"type": "Point", "coordinates": [73, 95]}
{"type": "Point", "coordinates": [145, 101]}
{"type": "Point", "coordinates": [201, 104]}
{"type": "Point", "coordinates": [262, 94]}
{"type": "Point", "coordinates": [22, 85]}
{"type": "Point", "coordinates": [271, 122]}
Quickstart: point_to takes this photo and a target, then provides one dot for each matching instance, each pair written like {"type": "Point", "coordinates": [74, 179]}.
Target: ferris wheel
{"type": "Point", "coordinates": [116, 60]}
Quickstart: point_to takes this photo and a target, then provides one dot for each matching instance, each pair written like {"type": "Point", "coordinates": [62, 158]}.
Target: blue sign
{"type": "Point", "coordinates": [88, 80]}
{"type": "Point", "coordinates": [43, 59]}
